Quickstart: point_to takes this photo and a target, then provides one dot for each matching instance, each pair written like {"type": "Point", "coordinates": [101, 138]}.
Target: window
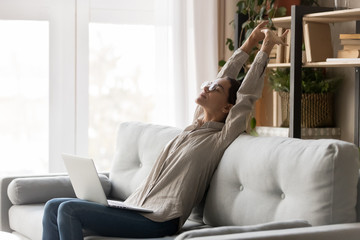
{"type": "Point", "coordinates": [124, 82]}
{"type": "Point", "coordinates": [24, 96]}
{"type": "Point", "coordinates": [71, 71]}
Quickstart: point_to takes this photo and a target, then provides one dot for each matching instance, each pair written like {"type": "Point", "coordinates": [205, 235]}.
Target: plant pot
{"type": "Point", "coordinates": [287, 4]}
{"type": "Point", "coordinates": [316, 109]}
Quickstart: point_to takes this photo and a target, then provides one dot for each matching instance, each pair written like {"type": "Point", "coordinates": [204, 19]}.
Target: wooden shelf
{"type": "Point", "coordinates": [282, 22]}
{"type": "Point", "coordinates": [334, 16]}
{"type": "Point", "coordinates": [318, 64]}
{"type": "Point", "coordinates": [306, 133]}
{"type": "Point", "coordinates": [278, 65]}
{"type": "Point", "coordinates": [301, 15]}
{"type": "Point", "coordinates": [325, 17]}
{"type": "Point", "coordinates": [334, 64]}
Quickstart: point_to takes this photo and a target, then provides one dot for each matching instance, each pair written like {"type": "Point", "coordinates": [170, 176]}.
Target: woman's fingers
{"type": "Point", "coordinates": [272, 37]}
{"type": "Point", "coordinates": [262, 24]}
{"type": "Point", "coordinates": [285, 33]}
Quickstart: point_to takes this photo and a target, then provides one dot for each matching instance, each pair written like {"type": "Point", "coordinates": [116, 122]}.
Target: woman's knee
{"type": "Point", "coordinates": [52, 206]}
{"type": "Point", "coordinates": [71, 208]}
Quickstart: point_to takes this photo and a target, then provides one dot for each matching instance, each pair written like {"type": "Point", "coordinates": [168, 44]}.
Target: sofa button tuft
{"type": "Point", "coordinates": [283, 196]}
{"type": "Point", "coordinates": [241, 187]}
{"type": "Point", "coordinates": [140, 165]}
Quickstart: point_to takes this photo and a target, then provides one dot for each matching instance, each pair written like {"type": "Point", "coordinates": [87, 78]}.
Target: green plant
{"type": "Point", "coordinates": [257, 11]}
{"type": "Point", "coordinates": [313, 80]}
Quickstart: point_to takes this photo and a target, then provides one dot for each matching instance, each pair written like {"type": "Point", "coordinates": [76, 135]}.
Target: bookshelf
{"type": "Point", "coordinates": [301, 15]}
{"type": "Point", "coordinates": [319, 64]}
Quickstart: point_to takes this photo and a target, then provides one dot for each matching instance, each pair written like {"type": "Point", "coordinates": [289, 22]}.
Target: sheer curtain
{"type": "Point", "coordinates": [191, 29]}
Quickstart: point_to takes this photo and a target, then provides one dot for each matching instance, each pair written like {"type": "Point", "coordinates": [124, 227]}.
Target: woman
{"type": "Point", "coordinates": [183, 171]}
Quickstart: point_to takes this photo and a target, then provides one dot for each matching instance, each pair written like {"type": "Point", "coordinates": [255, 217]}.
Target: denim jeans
{"type": "Point", "coordinates": [66, 218]}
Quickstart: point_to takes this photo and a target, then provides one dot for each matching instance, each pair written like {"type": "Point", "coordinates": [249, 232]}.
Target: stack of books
{"type": "Point", "coordinates": [351, 46]}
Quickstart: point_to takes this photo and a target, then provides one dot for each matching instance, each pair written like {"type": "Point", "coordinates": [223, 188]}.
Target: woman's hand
{"type": "Point", "coordinates": [255, 37]}
{"type": "Point", "coordinates": [257, 34]}
{"type": "Point", "coordinates": [271, 39]}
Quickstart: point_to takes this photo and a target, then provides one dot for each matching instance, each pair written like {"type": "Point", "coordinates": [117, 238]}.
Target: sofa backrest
{"type": "Point", "coordinates": [265, 179]}
{"type": "Point", "coordinates": [138, 145]}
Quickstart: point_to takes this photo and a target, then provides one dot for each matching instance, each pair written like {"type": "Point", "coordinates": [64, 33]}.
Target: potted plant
{"type": "Point", "coordinates": [317, 96]}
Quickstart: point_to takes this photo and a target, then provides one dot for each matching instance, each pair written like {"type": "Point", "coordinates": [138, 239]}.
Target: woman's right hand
{"type": "Point", "coordinates": [255, 37]}
{"type": "Point", "coordinates": [257, 34]}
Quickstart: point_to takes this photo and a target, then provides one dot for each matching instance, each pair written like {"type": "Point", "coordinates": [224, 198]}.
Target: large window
{"type": "Point", "coordinates": [72, 71]}
{"type": "Point", "coordinates": [24, 96]}
{"type": "Point", "coordinates": [123, 84]}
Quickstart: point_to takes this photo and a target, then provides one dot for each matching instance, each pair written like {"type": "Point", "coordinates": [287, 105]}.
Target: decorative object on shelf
{"type": "Point", "coordinates": [287, 5]}
{"type": "Point", "coordinates": [316, 100]}
{"type": "Point", "coordinates": [341, 4]}
{"type": "Point", "coordinates": [317, 39]}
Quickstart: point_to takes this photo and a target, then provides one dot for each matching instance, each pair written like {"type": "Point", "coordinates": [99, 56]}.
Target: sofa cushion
{"type": "Point", "coordinates": [29, 226]}
{"type": "Point", "coordinates": [189, 225]}
{"type": "Point", "coordinates": [215, 231]}
{"type": "Point", "coordinates": [138, 145]}
{"type": "Point", "coordinates": [41, 189]}
{"type": "Point", "coordinates": [265, 179]}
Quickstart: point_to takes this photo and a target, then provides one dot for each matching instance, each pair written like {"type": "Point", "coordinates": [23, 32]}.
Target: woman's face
{"type": "Point", "coordinates": [217, 99]}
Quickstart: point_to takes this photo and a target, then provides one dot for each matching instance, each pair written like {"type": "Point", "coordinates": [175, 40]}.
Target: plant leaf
{"type": "Point", "coordinates": [230, 44]}
{"type": "Point", "coordinates": [222, 63]}
{"type": "Point", "coordinates": [262, 11]}
{"type": "Point", "coordinates": [253, 123]}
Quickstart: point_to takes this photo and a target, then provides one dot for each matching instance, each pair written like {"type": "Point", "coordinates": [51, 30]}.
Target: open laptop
{"type": "Point", "coordinates": [86, 183]}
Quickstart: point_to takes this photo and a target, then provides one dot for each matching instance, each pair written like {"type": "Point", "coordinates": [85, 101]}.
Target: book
{"type": "Point", "coordinates": [349, 36]}
{"type": "Point", "coordinates": [354, 53]}
{"type": "Point", "coordinates": [350, 47]}
{"type": "Point", "coordinates": [317, 39]}
{"type": "Point", "coordinates": [350, 41]}
{"type": "Point", "coordinates": [287, 48]}
{"type": "Point", "coordinates": [280, 49]}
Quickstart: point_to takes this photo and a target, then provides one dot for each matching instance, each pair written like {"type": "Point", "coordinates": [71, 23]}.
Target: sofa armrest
{"type": "Point", "coordinates": [36, 189]}
{"type": "Point", "coordinates": [5, 202]}
{"type": "Point", "coordinates": [348, 231]}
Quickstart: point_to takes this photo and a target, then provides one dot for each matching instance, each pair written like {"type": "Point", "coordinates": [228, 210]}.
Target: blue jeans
{"type": "Point", "coordinates": [66, 218]}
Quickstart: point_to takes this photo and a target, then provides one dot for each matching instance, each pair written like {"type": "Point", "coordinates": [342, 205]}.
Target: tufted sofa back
{"type": "Point", "coordinates": [258, 180]}
{"type": "Point", "coordinates": [264, 179]}
{"type": "Point", "coordinates": [137, 147]}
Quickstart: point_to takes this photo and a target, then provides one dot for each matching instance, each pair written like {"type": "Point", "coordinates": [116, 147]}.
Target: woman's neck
{"type": "Point", "coordinates": [208, 117]}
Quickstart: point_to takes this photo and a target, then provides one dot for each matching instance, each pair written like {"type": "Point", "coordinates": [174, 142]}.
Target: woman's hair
{"type": "Point", "coordinates": [233, 90]}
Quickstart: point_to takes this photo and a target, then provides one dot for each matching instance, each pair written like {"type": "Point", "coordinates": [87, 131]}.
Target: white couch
{"type": "Point", "coordinates": [264, 188]}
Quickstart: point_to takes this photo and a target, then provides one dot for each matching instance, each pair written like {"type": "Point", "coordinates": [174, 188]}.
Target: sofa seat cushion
{"type": "Point", "coordinates": [29, 226]}
{"type": "Point", "coordinates": [216, 231]}
{"type": "Point", "coordinates": [188, 226]}
{"type": "Point", "coordinates": [265, 179]}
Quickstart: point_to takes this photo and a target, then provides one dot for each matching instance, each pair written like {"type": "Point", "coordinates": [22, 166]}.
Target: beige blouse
{"type": "Point", "coordinates": [183, 171]}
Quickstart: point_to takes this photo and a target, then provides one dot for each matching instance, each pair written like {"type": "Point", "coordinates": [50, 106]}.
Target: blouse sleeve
{"type": "Point", "coordinates": [249, 91]}
{"type": "Point", "coordinates": [230, 69]}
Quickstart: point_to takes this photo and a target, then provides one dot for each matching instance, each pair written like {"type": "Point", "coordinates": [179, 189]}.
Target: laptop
{"type": "Point", "coordinates": [86, 183]}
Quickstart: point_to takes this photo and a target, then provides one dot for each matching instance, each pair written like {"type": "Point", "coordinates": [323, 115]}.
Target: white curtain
{"type": "Point", "coordinates": [190, 58]}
